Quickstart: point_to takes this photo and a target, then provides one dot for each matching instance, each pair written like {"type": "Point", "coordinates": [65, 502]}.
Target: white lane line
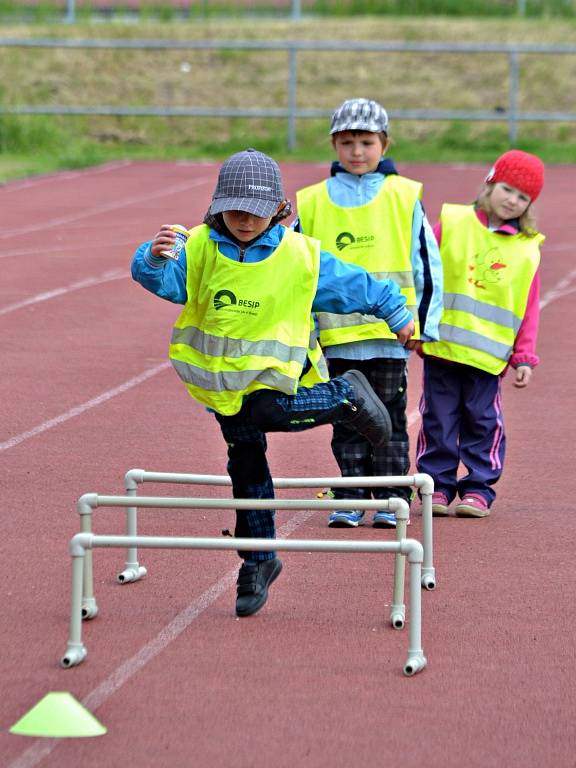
{"type": "Point", "coordinates": [88, 282]}
{"type": "Point", "coordinates": [559, 247]}
{"type": "Point", "coordinates": [41, 748]}
{"type": "Point", "coordinates": [562, 288]}
{"type": "Point", "coordinates": [78, 410]}
{"type": "Point", "coordinates": [96, 245]}
{"type": "Point", "coordinates": [115, 205]}
{"type": "Point", "coordinates": [37, 181]}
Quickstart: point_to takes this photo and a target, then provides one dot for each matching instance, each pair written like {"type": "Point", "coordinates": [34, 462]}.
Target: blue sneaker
{"type": "Point", "coordinates": [345, 519]}
{"type": "Point", "coordinates": [385, 520]}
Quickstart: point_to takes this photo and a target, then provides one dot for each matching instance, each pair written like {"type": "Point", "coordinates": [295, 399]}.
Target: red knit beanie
{"type": "Point", "coordinates": [520, 170]}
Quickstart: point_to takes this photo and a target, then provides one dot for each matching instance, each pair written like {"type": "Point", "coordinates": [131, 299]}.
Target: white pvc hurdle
{"type": "Point", "coordinates": [90, 501]}
{"type": "Point", "coordinates": [82, 543]}
{"type": "Point", "coordinates": [422, 482]}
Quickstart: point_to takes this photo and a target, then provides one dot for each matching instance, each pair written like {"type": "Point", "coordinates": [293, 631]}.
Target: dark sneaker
{"type": "Point", "coordinates": [252, 585]}
{"type": "Point", "coordinates": [367, 414]}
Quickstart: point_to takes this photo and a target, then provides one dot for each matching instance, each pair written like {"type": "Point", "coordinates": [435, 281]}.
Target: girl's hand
{"type": "Point", "coordinates": [523, 376]}
{"type": "Point", "coordinates": [163, 240]}
{"type": "Point", "coordinates": [414, 345]}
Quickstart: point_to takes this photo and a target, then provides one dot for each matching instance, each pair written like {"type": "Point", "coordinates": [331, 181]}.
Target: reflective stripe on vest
{"type": "Point", "coordinates": [487, 279]}
{"type": "Point", "coordinates": [245, 326]}
{"type": "Point", "coordinates": [372, 236]}
{"type": "Point", "coordinates": [217, 346]}
{"type": "Point", "coordinates": [318, 370]}
{"type": "Point", "coordinates": [480, 309]}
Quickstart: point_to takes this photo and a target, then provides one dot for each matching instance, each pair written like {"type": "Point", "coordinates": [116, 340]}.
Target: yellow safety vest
{"type": "Point", "coordinates": [376, 236]}
{"type": "Point", "coordinates": [246, 326]}
{"type": "Point", "coordinates": [487, 279]}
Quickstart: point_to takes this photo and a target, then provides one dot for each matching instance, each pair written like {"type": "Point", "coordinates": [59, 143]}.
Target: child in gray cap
{"type": "Point", "coordinates": [373, 217]}
{"type": "Point", "coordinates": [244, 344]}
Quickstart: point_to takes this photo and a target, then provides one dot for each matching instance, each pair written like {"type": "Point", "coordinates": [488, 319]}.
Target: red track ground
{"type": "Point", "coordinates": [315, 679]}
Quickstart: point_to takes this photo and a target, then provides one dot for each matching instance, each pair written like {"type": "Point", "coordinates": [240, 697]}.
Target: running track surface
{"type": "Point", "coordinates": [315, 678]}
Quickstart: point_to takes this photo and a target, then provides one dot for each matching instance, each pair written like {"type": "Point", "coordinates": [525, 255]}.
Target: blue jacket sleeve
{"type": "Point", "coordinates": [427, 270]}
{"type": "Point", "coordinates": [163, 277]}
{"type": "Point", "coordinates": [344, 288]}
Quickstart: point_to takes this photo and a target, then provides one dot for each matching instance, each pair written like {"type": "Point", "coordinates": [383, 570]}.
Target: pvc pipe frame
{"type": "Point", "coordinates": [89, 501]}
{"type": "Point", "coordinates": [83, 543]}
{"type": "Point", "coordinates": [134, 477]}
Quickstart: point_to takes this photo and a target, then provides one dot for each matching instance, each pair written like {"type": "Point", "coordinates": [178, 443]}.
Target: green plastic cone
{"type": "Point", "coordinates": [58, 715]}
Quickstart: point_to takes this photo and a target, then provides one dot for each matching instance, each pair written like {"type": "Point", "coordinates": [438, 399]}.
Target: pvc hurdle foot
{"type": "Point", "coordinates": [75, 654]}
{"type": "Point", "coordinates": [398, 616]}
{"type": "Point", "coordinates": [132, 573]}
{"type": "Point", "coordinates": [429, 579]}
{"type": "Point", "coordinates": [414, 664]}
{"type": "Point", "coordinates": [89, 608]}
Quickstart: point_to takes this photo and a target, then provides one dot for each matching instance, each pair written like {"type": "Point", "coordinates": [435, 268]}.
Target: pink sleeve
{"type": "Point", "coordinates": [437, 229]}
{"type": "Point", "coordinates": [525, 345]}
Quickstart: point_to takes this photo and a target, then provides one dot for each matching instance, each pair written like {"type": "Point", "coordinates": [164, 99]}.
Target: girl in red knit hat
{"type": "Point", "coordinates": [490, 253]}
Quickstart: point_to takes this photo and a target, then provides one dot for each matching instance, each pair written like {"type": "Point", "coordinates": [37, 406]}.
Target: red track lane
{"type": "Point", "coordinates": [316, 678]}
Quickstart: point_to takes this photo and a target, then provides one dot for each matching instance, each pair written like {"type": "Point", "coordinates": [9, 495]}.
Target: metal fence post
{"type": "Point", "coordinates": [292, 85]}
{"type": "Point", "coordinates": [513, 108]}
{"type": "Point", "coordinates": [70, 12]}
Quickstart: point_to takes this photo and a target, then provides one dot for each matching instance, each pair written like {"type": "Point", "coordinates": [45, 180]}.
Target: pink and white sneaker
{"type": "Point", "coordinates": [440, 504]}
{"type": "Point", "coordinates": [472, 505]}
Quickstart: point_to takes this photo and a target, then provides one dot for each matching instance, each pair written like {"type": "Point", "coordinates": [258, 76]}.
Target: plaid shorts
{"type": "Point", "coordinates": [355, 456]}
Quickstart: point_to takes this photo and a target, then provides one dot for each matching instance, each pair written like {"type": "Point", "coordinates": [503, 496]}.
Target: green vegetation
{"type": "Point", "coordinates": [166, 10]}
{"type": "Point", "coordinates": [212, 78]}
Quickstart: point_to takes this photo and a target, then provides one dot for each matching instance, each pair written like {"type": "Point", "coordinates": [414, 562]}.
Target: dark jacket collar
{"type": "Point", "coordinates": [385, 166]}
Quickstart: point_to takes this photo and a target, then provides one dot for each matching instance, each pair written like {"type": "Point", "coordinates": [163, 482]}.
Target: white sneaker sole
{"type": "Point", "coordinates": [342, 523]}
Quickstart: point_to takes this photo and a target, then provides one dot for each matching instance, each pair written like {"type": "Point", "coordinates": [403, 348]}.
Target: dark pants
{"type": "Point", "coordinates": [462, 421]}
{"type": "Point", "coordinates": [355, 455]}
{"type": "Point", "coordinates": [268, 411]}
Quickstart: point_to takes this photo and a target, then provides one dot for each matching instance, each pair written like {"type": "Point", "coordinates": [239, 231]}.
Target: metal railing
{"type": "Point", "coordinates": [512, 115]}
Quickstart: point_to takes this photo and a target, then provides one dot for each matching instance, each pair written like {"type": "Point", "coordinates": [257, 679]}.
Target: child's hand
{"type": "Point", "coordinates": [523, 376]}
{"type": "Point", "coordinates": [414, 345]}
{"type": "Point", "coordinates": [163, 240]}
{"type": "Point", "coordinates": [404, 334]}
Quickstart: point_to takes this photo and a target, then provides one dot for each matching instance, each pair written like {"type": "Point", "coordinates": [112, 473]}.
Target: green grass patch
{"type": "Point", "coordinates": [39, 11]}
{"type": "Point", "coordinates": [37, 146]}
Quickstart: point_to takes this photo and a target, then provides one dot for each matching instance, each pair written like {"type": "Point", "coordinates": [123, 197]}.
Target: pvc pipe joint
{"type": "Point", "coordinates": [133, 478]}
{"type": "Point", "coordinates": [132, 573]}
{"type": "Point", "coordinates": [424, 483]}
{"type": "Point", "coordinates": [87, 503]}
{"type": "Point", "coordinates": [75, 654]}
{"type": "Point", "coordinates": [414, 664]}
{"type": "Point", "coordinates": [399, 507]}
{"type": "Point", "coordinates": [79, 543]}
{"type": "Point", "coordinates": [413, 549]}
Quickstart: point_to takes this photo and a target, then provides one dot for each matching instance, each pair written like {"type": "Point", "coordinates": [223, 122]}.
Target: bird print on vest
{"type": "Point", "coordinates": [486, 269]}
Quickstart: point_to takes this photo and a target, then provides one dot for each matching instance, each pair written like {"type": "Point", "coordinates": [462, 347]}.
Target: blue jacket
{"type": "Point", "coordinates": [348, 191]}
{"type": "Point", "coordinates": [342, 288]}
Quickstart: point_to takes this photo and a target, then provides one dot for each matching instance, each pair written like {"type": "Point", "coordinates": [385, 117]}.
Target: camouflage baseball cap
{"type": "Point", "coordinates": [359, 115]}
{"type": "Point", "coordinates": [248, 181]}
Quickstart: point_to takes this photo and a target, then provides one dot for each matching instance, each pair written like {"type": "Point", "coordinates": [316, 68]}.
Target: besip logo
{"type": "Point", "coordinates": [344, 239]}
{"type": "Point", "coordinates": [224, 299]}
